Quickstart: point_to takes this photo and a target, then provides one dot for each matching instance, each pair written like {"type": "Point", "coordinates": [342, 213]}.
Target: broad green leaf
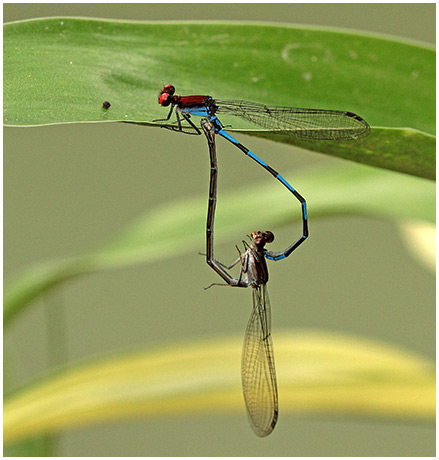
{"type": "Point", "coordinates": [61, 70]}
{"type": "Point", "coordinates": [318, 373]}
{"type": "Point", "coordinates": [404, 150]}
{"type": "Point", "coordinates": [351, 189]}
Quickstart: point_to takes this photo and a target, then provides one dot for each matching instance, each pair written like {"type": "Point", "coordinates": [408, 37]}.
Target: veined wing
{"type": "Point", "coordinates": [317, 124]}
{"type": "Point", "coordinates": [257, 367]}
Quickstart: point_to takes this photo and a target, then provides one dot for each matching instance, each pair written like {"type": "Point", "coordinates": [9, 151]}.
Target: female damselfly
{"type": "Point", "coordinates": [257, 366]}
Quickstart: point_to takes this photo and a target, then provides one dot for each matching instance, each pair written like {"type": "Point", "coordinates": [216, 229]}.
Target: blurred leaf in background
{"type": "Point", "coordinates": [332, 374]}
{"type": "Point", "coordinates": [371, 192]}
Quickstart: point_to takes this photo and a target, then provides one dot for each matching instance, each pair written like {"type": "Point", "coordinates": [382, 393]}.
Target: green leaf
{"type": "Point", "coordinates": [404, 150]}
{"type": "Point", "coordinates": [61, 70]}
{"type": "Point", "coordinates": [351, 189]}
{"type": "Point", "coordinates": [318, 373]}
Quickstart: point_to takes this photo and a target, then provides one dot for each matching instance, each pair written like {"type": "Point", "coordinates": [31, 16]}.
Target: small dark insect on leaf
{"type": "Point", "coordinates": [106, 105]}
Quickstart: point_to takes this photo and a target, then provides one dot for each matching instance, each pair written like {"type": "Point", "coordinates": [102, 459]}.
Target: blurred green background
{"type": "Point", "coordinates": [68, 188]}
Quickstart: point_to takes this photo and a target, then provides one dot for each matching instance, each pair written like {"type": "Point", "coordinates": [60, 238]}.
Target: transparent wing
{"type": "Point", "coordinates": [315, 124]}
{"type": "Point", "coordinates": [257, 367]}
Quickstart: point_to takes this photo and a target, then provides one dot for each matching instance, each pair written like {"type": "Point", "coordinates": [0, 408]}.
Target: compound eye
{"type": "Point", "coordinates": [165, 99]}
{"type": "Point", "coordinates": [169, 89]}
{"type": "Point", "coordinates": [268, 236]}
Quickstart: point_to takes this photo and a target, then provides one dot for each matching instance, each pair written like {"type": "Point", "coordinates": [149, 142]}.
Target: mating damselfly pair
{"type": "Point", "coordinates": [257, 365]}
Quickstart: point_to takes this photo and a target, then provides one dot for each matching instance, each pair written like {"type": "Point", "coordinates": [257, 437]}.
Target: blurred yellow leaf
{"type": "Point", "coordinates": [420, 239]}
{"type": "Point", "coordinates": [318, 372]}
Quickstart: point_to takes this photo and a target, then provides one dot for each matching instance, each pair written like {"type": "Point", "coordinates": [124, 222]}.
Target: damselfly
{"type": "Point", "coordinates": [257, 367]}
{"type": "Point", "coordinates": [306, 123]}
{"type": "Point", "coordinates": [315, 124]}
